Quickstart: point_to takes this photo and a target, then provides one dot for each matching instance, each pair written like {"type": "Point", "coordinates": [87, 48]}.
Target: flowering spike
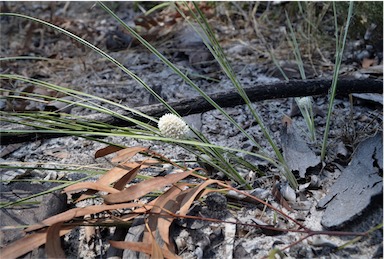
{"type": "Point", "coordinates": [305, 102]}
{"type": "Point", "coordinates": [172, 126]}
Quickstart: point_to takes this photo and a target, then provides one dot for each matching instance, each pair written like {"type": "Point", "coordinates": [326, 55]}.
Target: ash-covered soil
{"type": "Point", "coordinates": [74, 66]}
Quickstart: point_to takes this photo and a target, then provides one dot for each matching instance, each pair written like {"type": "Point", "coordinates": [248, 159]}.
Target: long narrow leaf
{"type": "Point", "coordinates": [138, 190]}
{"type": "Point", "coordinates": [79, 212]}
{"type": "Point", "coordinates": [140, 247]}
{"type": "Point", "coordinates": [53, 244]}
{"type": "Point", "coordinates": [339, 54]}
{"type": "Point", "coordinates": [28, 243]}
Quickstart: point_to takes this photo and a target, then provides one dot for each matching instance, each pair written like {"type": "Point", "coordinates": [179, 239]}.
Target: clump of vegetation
{"type": "Point", "coordinates": [175, 201]}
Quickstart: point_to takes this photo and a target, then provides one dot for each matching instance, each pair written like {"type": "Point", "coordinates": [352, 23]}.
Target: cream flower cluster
{"type": "Point", "coordinates": [305, 102]}
{"type": "Point", "coordinates": [172, 126]}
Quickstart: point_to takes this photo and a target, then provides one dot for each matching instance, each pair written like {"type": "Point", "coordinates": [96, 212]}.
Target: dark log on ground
{"type": "Point", "coordinates": [293, 88]}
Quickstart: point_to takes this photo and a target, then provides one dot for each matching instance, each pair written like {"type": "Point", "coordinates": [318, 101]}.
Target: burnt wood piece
{"type": "Point", "coordinates": [293, 88]}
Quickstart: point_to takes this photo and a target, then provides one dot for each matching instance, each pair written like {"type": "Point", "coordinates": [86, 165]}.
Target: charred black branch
{"type": "Point", "coordinates": [293, 88]}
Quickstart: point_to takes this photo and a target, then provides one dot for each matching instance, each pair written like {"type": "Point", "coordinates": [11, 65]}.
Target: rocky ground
{"type": "Point", "coordinates": [359, 122]}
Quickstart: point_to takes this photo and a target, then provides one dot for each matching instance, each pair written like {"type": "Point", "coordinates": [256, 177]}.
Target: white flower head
{"type": "Point", "coordinates": [172, 126]}
{"type": "Point", "coordinates": [305, 102]}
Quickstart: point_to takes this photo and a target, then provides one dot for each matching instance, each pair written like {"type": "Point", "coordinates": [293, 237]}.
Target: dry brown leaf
{"type": "Point", "coordinates": [115, 174]}
{"type": "Point", "coordinates": [167, 202]}
{"type": "Point", "coordinates": [111, 176]}
{"type": "Point", "coordinates": [89, 233]}
{"type": "Point", "coordinates": [366, 63]}
{"type": "Point", "coordinates": [171, 204]}
{"type": "Point", "coordinates": [121, 170]}
{"type": "Point", "coordinates": [286, 120]}
{"type": "Point", "coordinates": [106, 151]}
{"type": "Point", "coordinates": [131, 165]}
{"type": "Point", "coordinates": [139, 211]}
{"type": "Point", "coordinates": [280, 199]}
{"type": "Point", "coordinates": [79, 212]}
{"type": "Point", "coordinates": [140, 247]}
{"type": "Point", "coordinates": [91, 186]}
{"type": "Point", "coordinates": [156, 251]}
{"type": "Point", "coordinates": [128, 153]}
{"type": "Point", "coordinates": [139, 190]}
{"type": "Point", "coordinates": [53, 244]}
{"type": "Point", "coordinates": [191, 196]}
{"type": "Point", "coordinates": [128, 177]}
{"type": "Point", "coordinates": [144, 164]}
{"type": "Point", "coordinates": [28, 243]}
{"type": "Point", "coordinates": [88, 194]}
{"type": "Point", "coordinates": [373, 70]}
{"type": "Point", "coordinates": [123, 173]}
